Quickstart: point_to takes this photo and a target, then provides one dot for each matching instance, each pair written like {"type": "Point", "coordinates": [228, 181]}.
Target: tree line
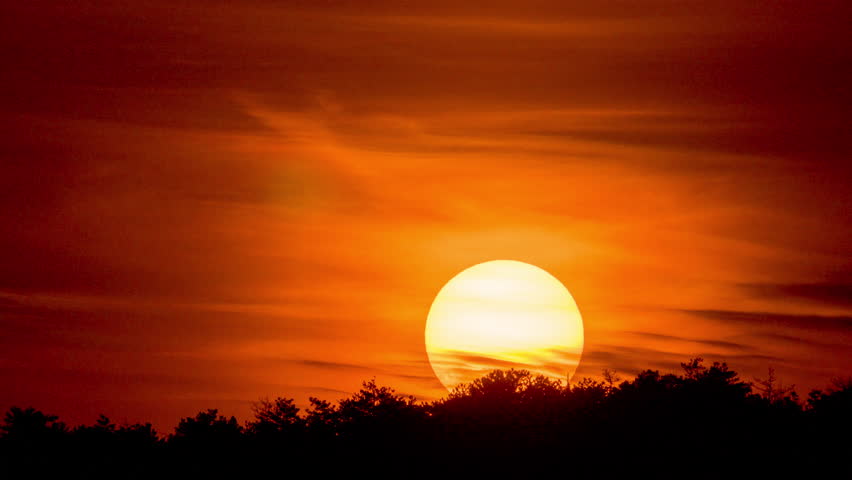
{"type": "Point", "coordinates": [705, 422]}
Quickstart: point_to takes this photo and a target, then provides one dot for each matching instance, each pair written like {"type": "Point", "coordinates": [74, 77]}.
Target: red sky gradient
{"type": "Point", "coordinates": [205, 203]}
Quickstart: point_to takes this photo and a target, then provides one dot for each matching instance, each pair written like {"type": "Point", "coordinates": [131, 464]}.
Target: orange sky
{"type": "Point", "coordinates": [206, 203]}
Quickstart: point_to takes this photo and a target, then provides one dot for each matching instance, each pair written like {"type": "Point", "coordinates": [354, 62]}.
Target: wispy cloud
{"type": "Point", "coordinates": [817, 323]}
{"type": "Point", "coordinates": [830, 294]}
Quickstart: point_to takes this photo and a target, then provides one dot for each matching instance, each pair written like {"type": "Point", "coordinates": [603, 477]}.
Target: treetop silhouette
{"type": "Point", "coordinates": [505, 414]}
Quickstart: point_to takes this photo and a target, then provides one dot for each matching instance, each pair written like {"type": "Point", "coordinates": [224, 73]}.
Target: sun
{"type": "Point", "coordinates": [503, 314]}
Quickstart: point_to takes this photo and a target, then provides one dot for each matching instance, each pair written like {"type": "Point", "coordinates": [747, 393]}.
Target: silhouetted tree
{"type": "Point", "coordinates": [773, 390]}
{"type": "Point", "coordinates": [832, 408]}
{"type": "Point", "coordinates": [276, 419]}
{"type": "Point", "coordinates": [321, 419]}
{"type": "Point", "coordinates": [703, 423]}
{"type": "Point", "coordinates": [378, 415]}
{"type": "Point", "coordinates": [277, 430]}
{"type": "Point", "coordinates": [31, 440]}
{"type": "Point", "coordinates": [611, 378]}
{"type": "Point", "coordinates": [139, 436]}
{"type": "Point", "coordinates": [102, 431]}
{"type": "Point", "coordinates": [101, 449]}
{"type": "Point", "coordinates": [207, 428]}
{"type": "Point", "coordinates": [30, 433]}
{"type": "Point", "coordinates": [30, 426]}
{"type": "Point", "coordinates": [693, 368]}
{"type": "Point", "coordinates": [207, 443]}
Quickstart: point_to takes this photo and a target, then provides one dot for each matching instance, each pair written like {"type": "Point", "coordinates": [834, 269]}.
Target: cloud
{"type": "Point", "coordinates": [705, 342]}
{"type": "Point", "coordinates": [772, 338]}
{"type": "Point", "coordinates": [317, 388]}
{"type": "Point", "coordinates": [819, 323]}
{"type": "Point", "coordinates": [825, 293]}
{"type": "Point", "coordinates": [626, 359]}
{"type": "Point", "coordinates": [463, 367]}
{"type": "Point", "coordinates": [381, 370]}
{"type": "Point", "coordinates": [333, 365]}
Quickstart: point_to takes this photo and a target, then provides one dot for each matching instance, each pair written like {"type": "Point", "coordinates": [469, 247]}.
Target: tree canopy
{"type": "Point", "coordinates": [703, 422]}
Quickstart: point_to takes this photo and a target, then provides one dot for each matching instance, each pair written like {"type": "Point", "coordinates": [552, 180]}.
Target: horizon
{"type": "Point", "coordinates": [769, 391]}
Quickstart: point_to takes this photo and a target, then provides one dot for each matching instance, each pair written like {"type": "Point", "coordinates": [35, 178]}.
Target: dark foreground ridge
{"type": "Point", "coordinates": [704, 423]}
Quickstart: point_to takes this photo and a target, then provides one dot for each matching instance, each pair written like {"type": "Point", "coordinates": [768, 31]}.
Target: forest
{"type": "Point", "coordinates": [704, 422]}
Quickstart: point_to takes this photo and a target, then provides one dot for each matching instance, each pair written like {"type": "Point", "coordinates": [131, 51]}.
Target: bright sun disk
{"type": "Point", "coordinates": [503, 314]}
